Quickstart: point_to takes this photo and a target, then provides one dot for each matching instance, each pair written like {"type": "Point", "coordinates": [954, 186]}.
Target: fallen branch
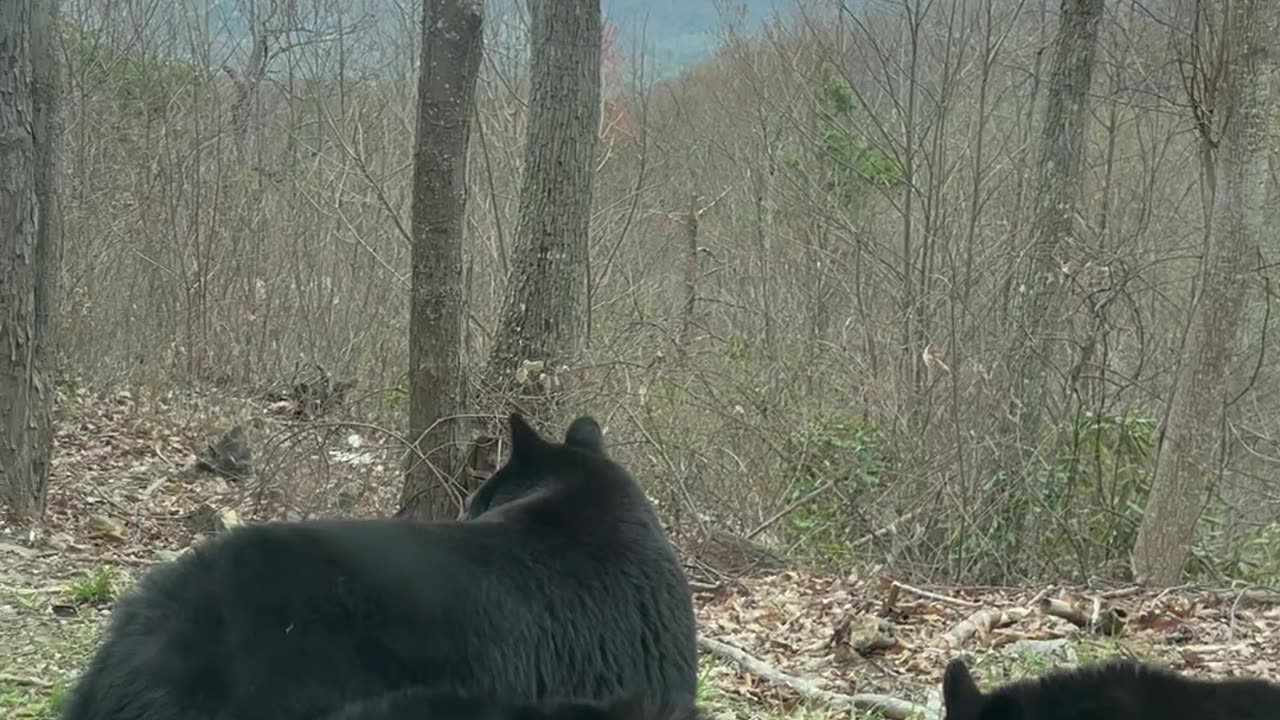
{"type": "Point", "coordinates": [26, 680]}
{"type": "Point", "coordinates": [1064, 610]}
{"type": "Point", "coordinates": [1120, 592]}
{"type": "Point", "coordinates": [1108, 621]}
{"type": "Point", "coordinates": [935, 596]}
{"type": "Point", "coordinates": [1261, 596]}
{"type": "Point", "coordinates": [983, 621]}
{"type": "Point", "coordinates": [889, 707]}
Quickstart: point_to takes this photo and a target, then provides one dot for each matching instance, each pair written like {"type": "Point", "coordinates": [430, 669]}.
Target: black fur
{"type": "Point", "coordinates": [417, 704]}
{"type": "Point", "coordinates": [536, 466]}
{"type": "Point", "coordinates": [564, 586]}
{"type": "Point", "coordinates": [1116, 690]}
{"type": "Point", "coordinates": [585, 433]}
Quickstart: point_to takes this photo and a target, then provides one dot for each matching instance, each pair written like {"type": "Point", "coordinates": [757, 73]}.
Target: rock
{"type": "Point", "coordinates": [862, 635]}
{"type": "Point", "coordinates": [207, 519]}
{"type": "Point", "coordinates": [106, 528]}
{"type": "Point", "coordinates": [64, 610]}
{"type": "Point", "coordinates": [870, 633]}
{"type": "Point", "coordinates": [230, 457]}
{"type": "Point", "coordinates": [1044, 649]}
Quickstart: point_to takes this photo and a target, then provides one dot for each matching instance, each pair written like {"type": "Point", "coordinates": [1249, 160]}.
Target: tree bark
{"type": "Point", "coordinates": [1192, 452]}
{"type": "Point", "coordinates": [542, 309]}
{"type": "Point", "coordinates": [1059, 173]}
{"type": "Point", "coordinates": [452, 41]}
{"type": "Point", "coordinates": [30, 240]}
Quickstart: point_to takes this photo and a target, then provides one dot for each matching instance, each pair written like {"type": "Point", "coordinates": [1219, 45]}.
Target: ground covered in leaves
{"type": "Point", "coordinates": [792, 644]}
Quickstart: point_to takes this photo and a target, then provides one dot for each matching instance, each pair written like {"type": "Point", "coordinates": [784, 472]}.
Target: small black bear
{"type": "Point", "coordinates": [418, 704]}
{"type": "Point", "coordinates": [562, 586]}
{"type": "Point", "coordinates": [1115, 690]}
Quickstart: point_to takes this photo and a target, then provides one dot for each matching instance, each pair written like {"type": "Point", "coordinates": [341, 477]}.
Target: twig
{"type": "Point", "coordinates": [889, 529]}
{"type": "Point", "coordinates": [788, 510]}
{"type": "Point", "coordinates": [24, 680]}
{"type": "Point", "coordinates": [1259, 595]}
{"type": "Point", "coordinates": [935, 596]}
{"type": "Point", "coordinates": [887, 706]}
{"type": "Point", "coordinates": [160, 454]}
{"type": "Point", "coordinates": [1044, 593]}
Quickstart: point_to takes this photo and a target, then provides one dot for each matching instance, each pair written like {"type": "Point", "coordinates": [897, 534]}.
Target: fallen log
{"type": "Point", "coordinates": [887, 706]}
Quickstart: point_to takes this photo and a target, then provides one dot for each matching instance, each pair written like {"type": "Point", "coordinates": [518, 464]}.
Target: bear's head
{"type": "Point", "coordinates": [536, 465]}
{"type": "Point", "coordinates": [964, 701]}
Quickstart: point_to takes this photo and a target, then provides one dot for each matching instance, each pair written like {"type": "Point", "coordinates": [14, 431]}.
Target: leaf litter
{"type": "Point", "coordinates": [119, 499]}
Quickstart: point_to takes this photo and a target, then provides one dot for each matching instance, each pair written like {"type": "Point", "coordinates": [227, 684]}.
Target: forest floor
{"type": "Point", "coordinates": [788, 645]}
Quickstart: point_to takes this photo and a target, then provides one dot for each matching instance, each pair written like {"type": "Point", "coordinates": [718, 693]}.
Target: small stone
{"type": "Point", "coordinates": [103, 526]}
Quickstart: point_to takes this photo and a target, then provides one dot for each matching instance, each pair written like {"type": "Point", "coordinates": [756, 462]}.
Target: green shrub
{"type": "Point", "coordinates": [834, 462]}
{"type": "Point", "coordinates": [97, 588]}
{"type": "Point", "coordinates": [1075, 518]}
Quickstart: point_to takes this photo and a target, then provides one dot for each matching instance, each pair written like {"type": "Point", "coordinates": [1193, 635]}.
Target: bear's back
{"type": "Point", "coordinates": [1125, 690]}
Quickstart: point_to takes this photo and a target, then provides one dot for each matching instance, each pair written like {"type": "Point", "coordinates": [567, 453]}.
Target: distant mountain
{"type": "Point", "coordinates": [680, 33]}
{"type": "Point", "coordinates": [673, 33]}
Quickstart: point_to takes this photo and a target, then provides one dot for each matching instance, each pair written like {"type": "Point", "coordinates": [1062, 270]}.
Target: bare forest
{"type": "Point", "coordinates": [927, 325]}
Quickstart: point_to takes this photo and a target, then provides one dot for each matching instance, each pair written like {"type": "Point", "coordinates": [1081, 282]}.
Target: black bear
{"type": "Point", "coordinates": [417, 704]}
{"type": "Point", "coordinates": [1115, 690]}
{"type": "Point", "coordinates": [562, 586]}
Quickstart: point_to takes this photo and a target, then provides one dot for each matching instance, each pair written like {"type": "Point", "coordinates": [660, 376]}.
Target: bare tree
{"type": "Point", "coordinates": [542, 310]}
{"type": "Point", "coordinates": [30, 239]}
{"type": "Point", "coordinates": [452, 42]}
{"type": "Point", "coordinates": [226, 229]}
{"type": "Point", "coordinates": [1059, 172]}
{"type": "Point", "coordinates": [1192, 453]}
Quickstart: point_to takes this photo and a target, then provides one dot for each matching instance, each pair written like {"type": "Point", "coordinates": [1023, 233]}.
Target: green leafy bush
{"type": "Point", "coordinates": [142, 85]}
{"type": "Point", "coordinates": [834, 462]}
{"type": "Point", "coordinates": [1075, 518]}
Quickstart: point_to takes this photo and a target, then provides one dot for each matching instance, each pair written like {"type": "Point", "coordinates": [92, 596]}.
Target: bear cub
{"type": "Point", "coordinates": [1114, 690]}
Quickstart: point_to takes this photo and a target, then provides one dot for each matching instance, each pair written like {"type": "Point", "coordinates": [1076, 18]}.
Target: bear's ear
{"type": "Point", "coordinates": [960, 694]}
{"type": "Point", "coordinates": [525, 441]}
{"type": "Point", "coordinates": [584, 434]}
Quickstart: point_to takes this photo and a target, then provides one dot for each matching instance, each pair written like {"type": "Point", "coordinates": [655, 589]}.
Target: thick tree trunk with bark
{"type": "Point", "coordinates": [30, 241]}
{"type": "Point", "coordinates": [1192, 452]}
{"type": "Point", "coordinates": [1059, 173]}
{"type": "Point", "coordinates": [452, 40]}
{"type": "Point", "coordinates": [542, 310]}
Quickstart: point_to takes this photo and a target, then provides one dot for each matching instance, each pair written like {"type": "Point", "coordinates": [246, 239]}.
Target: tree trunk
{"type": "Point", "coordinates": [1059, 172]}
{"type": "Point", "coordinates": [542, 309]}
{"type": "Point", "coordinates": [452, 40]}
{"type": "Point", "coordinates": [1191, 454]}
{"type": "Point", "coordinates": [30, 240]}
{"type": "Point", "coordinates": [691, 274]}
